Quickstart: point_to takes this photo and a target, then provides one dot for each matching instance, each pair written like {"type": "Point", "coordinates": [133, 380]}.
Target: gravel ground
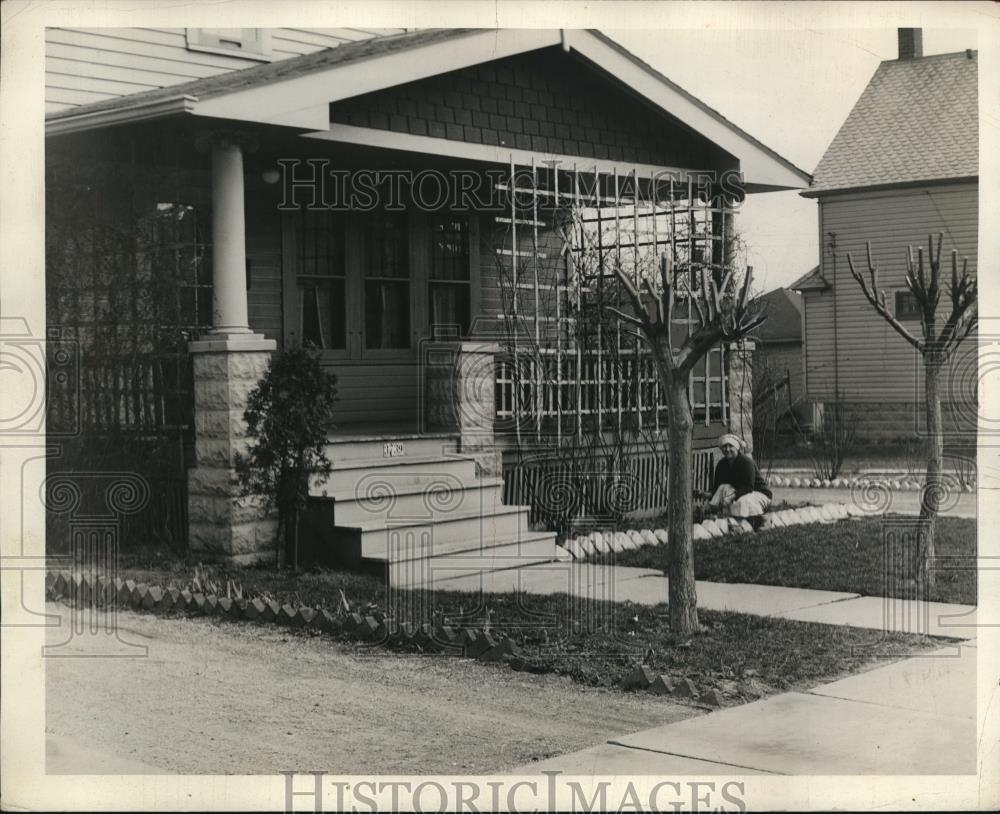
{"type": "Point", "coordinates": [220, 698]}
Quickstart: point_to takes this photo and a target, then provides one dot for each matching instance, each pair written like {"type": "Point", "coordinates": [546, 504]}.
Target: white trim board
{"type": "Point", "coordinates": [761, 166]}
{"type": "Point", "coordinates": [493, 154]}
{"type": "Point", "coordinates": [321, 87]}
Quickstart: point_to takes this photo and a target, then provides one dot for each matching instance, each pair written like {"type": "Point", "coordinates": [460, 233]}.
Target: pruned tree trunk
{"type": "Point", "coordinates": [931, 495]}
{"type": "Point", "coordinates": [935, 348]}
{"type": "Point", "coordinates": [723, 314]}
{"type": "Point", "coordinates": [680, 551]}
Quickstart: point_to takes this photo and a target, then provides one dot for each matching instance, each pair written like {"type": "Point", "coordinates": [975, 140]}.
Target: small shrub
{"type": "Point", "coordinates": [831, 439]}
{"type": "Point", "coordinates": [288, 416]}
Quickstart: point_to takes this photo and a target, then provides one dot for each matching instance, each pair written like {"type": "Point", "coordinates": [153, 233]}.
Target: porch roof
{"type": "Point", "coordinates": [812, 280]}
{"type": "Point", "coordinates": [297, 92]}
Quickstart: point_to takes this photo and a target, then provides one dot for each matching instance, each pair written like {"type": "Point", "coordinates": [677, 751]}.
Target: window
{"type": "Point", "coordinates": [321, 280]}
{"type": "Point", "coordinates": [254, 43]}
{"type": "Point", "coordinates": [387, 281]}
{"type": "Point", "coordinates": [449, 282]}
{"type": "Point", "coordinates": [906, 305]}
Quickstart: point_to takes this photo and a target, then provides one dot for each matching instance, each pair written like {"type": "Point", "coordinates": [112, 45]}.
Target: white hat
{"type": "Point", "coordinates": [729, 438]}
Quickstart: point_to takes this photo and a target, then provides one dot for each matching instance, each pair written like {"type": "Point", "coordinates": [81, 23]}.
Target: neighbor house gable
{"type": "Point", "coordinates": [916, 122]}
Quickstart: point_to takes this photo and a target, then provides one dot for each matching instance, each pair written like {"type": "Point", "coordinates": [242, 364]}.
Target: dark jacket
{"type": "Point", "coordinates": [742, 474]}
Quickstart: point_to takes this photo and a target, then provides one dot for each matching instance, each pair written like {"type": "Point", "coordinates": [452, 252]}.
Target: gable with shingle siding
{"type": "Point", "coordinates": [542, 101]}
{"type": "Point", "coordinates": [916, 121]}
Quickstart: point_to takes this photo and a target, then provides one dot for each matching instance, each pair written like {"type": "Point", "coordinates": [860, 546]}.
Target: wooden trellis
{"type": "Point", "coordinates": [564, 229]}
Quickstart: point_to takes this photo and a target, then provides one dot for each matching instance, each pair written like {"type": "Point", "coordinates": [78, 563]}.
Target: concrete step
{"type": "Point", "coordinates": [350, 476]}
{"type": "Point", "coordinates": [380, 497]}
{"type": "Point", "coordinates": [473, 528]}
{"type": "Point", "coordinates": [435, 571]}
{"type": "Point", "coordinates": [416, 546]}
{"type": "Point", "coordinates": [389, 447]}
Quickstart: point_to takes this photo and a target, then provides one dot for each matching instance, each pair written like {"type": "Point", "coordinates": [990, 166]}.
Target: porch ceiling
{"type": "Point", "coordinates": [297, 93]}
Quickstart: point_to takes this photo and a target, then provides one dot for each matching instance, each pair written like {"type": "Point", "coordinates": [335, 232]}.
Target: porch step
{"type": "Point", "coordinates": [467, 528]}
{"type": "Point", "coordinates": [411, 507]}
{"type": "Point", "coordinates": [396, 547]}
{"type": "Point", "coordinates": [395, 496]}
{"type": "Point", "coordinates": [435, 570]}
{"type": "Point", "coordinates": [388, 448]}
{"type": "Point", "coordinates": [349, 476]}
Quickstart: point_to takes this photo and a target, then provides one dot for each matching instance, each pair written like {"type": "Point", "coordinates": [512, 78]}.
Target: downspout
{"type": "Point", "coordinates": [836, 352]}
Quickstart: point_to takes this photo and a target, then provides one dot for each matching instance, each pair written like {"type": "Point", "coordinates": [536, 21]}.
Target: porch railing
{"type": "Point", "coordinates": [642, 488]}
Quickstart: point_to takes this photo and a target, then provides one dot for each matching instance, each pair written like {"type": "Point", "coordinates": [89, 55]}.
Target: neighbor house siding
{"type": "Point", "coordinates": [874, 363]}
{"type": "Point", "coordinates": [88, 65]}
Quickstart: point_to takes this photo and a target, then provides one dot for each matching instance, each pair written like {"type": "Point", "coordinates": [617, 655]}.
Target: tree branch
{"type": "Point", "coordinates": [872, 296]}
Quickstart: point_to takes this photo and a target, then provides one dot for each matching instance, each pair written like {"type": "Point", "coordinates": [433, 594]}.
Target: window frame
{"type": "Point", "coordinates": [420, 258]}
{"type": "Point", "coordinates": [900, 314]}
{"type": "Point", "coordinates": [292, 272]}
{"type": "Point", "coordinates": [358, 254]}
{"type": "Point", "coordinates": [470, 282]}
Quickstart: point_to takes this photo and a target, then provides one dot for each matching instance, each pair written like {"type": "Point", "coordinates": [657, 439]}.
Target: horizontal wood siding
{"type": "Point", "coordinates": [875, 363]}
{"type": "Point", "coordinates": [370, 392]}
{"type": "Point", "coordinates": [85, 65]}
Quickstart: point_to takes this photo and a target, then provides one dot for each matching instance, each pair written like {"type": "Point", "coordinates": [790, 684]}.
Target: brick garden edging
{"type": "Point", "coordinates": [373, 628]}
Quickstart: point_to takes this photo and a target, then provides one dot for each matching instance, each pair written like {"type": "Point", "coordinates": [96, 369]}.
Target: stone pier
{"type": "Point", "coordinates": [739, 390]}
{"type": "Point", "coordinates": [220, 525]}
{"type": "Point", "coordinates": [460, 395]}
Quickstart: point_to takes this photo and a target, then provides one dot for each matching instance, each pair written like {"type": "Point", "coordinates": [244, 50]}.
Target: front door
{"type": "Point", "coordinates": [366, 288]}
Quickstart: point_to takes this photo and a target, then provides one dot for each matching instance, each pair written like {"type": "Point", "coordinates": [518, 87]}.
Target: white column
{"type": "Point", "coordinates": [227, 363]}
{"type": "Point", "coordinates": [229, 297]}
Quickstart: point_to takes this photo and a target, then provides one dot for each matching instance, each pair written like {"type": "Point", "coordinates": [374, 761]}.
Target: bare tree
{"type": "Point", "coordinates": [935, 347]}
{"type": "Point", "coordinates": [722, 313]}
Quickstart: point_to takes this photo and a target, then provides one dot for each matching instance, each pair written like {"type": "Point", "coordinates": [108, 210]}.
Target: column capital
{"type": "Point", "coordinates": [206, 140]}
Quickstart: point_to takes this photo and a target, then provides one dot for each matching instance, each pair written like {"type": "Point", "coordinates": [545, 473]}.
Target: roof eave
{"type": "Point", "coordinates": [141, 111]}
{"type": "Point", "coordinates": [825, 191]}
{"type": "Point", "coordinates": [301, 101]}
{"type": "Point", "coordinates": [764, 169]}
{"type": "Point", "coordinates": [811, 286]}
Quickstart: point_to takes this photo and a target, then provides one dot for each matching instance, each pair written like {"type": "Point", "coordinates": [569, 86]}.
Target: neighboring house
{"type": "Point", "coordinates": [211, 207]}
{"type": "Point", "coordinates": [904, 164]}
{"type": "Point", "coordinates": [778, 366]}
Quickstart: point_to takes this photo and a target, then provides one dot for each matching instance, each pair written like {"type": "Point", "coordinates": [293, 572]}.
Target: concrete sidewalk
{"type": "Point", "coordinates": [914, 717]}
{"type": "Point", "coordinates": [646, 586]}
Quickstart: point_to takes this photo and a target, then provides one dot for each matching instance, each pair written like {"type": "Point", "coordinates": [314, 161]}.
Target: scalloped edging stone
{"type": "Point", "coordinates": [897, 483]}
{"type": "Point", "coordinates": [584, 547]}
{"type": "Point", "coordinates": [80, 591]}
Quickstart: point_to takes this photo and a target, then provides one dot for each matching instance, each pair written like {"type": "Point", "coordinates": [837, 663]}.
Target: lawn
{"type": "Point", "coordinates": [594, 642]}
{"type": "Point", "coordinates": [846, 556]}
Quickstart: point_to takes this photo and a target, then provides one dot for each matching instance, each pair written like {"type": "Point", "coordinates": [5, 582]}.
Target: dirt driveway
{"type": "Point", "coordinates": [223, 698]}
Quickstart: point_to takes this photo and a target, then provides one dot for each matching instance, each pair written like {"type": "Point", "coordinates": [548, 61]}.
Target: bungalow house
{"type": "Point", "coordinates": [434, 210]}
{"type": "Point", "coordinates": [903, 165]}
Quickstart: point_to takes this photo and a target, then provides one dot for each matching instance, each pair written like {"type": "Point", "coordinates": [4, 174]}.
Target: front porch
{"type": "Point", "coordinates": [463, 327]}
